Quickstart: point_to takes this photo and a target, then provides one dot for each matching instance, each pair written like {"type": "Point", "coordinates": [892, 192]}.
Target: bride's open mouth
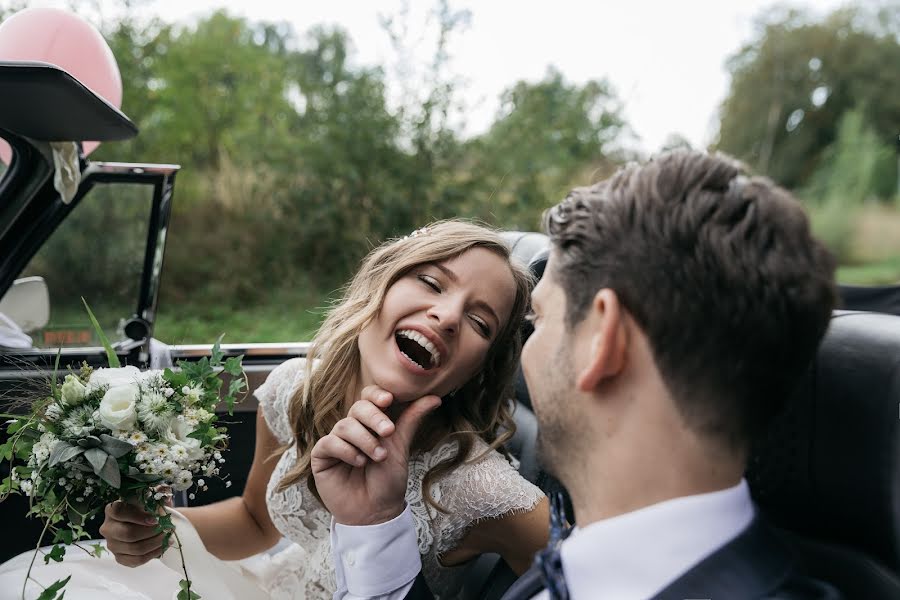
{"type": "Point", "coordinates": [418, 350]}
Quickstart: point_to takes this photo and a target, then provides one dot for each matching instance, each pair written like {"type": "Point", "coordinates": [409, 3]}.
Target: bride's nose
{"type": "Point", "coordinates": [446, 316]}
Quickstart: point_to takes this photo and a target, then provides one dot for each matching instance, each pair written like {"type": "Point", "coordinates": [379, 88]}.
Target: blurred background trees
{"type": "Point", "coordinates": [297, 159]}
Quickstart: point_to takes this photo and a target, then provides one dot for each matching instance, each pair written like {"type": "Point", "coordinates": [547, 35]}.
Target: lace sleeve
{"type": "Point", "coordinates": [486, 489]}
{"type": "Point", "coordinates": [275, 394]}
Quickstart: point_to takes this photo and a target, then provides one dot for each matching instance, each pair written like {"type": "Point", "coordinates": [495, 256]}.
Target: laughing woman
{"type": "Point", "coordinates": [435, 313]}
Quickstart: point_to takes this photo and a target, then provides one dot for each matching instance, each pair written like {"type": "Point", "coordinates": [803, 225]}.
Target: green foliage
{"type": "Point", "coordinates": [845, 181]}
{"type": "Point", "coordinates": [50, 591]}
{"type": "Point", "coordinates": [795, 80]}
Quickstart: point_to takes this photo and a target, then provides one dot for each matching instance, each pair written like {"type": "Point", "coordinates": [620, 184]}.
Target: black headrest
{"type": "Point", "coordinates": [829, 469]}
{"type": "Point", "coordinates": [883, 299]}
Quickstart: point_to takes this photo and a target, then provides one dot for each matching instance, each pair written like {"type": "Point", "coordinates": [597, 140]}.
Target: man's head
{"type": "Point", "coordinates": [717, 272]}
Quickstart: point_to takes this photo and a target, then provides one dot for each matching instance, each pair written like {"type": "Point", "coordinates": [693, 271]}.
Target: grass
{"type": "Point", "coordinates": [284, 315]}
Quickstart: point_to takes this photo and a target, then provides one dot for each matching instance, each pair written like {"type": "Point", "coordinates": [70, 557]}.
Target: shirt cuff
{"type": "Point", "coordinates": [377, 559]}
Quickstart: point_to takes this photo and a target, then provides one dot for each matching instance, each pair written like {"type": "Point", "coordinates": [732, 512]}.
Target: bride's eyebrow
{"type": "Point", "coordinates": [479, 303]}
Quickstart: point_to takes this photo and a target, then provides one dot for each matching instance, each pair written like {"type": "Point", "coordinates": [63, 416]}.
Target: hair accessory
{"type": "Point", "coordinates": [417, 233]}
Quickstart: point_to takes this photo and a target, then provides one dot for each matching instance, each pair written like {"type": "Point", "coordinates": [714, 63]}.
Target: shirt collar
{"type": "Point", "coordinates": [637, 554]}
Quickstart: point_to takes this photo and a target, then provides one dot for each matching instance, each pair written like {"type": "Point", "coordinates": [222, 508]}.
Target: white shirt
{"type": "Point", "coordinates": [630, 556]}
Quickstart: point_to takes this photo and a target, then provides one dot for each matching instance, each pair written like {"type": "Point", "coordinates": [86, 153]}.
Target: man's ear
{"type": "Point", "coordinates": [608, 340]}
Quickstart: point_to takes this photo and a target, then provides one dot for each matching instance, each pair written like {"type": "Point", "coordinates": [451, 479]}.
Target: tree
{"type": "Point", "coordinates": [792, 83]}
{"type": "Point", "coordinates": [548, 136]}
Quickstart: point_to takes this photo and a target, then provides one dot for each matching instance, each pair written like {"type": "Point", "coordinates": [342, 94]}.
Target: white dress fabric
{"type": "Point", "coordinates": [303, 569]}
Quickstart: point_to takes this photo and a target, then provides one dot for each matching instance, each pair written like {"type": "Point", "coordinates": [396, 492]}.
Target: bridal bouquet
{"type": "Point", "coordinates": [117, 433]}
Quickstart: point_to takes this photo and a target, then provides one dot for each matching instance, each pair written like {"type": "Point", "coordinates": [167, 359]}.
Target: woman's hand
{"type": "Point", "coordinates": [131, 534]}
{"type": "Point", "coordinates": [361, 467]}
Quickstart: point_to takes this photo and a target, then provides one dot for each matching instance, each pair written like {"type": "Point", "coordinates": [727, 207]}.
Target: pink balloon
{"type": "Point", "coordinates": [66, 40]}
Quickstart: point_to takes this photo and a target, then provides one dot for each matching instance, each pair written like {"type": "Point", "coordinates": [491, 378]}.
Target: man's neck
{"type": "Point", "coordinates": [617, 483]}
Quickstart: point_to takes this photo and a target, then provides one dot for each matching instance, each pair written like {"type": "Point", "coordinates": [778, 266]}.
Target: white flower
{"type": "Point", "coordinates": [111, 378]}
{"type": "Point", "coordinates": [72, 391]}
{"type": "Point", "coordinates": [53, 412]}
{"type": "Point", "coordinates": [137, 438]}
{"type": "Point", "coordinates": [26, 486]}
{"type": "Point", "coordinates": [182, 428]}
{"type": "Point", "coordinates": [167, 392]}
{"type": "Point", "coordinates": [117, 407]}
{"type": "Point", "coordinates": [192, 394]}
{"type": "Point", "coordinates": [155, 411]}
{"type": "Point", "coordinates": [228, 483]}
{"type": "Point", "coordinates": [183, 480]}
{"type": "Point", "coordinates": [79, 423]}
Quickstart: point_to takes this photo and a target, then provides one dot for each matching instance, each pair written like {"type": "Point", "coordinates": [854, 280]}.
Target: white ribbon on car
{"type": "Point", "coordinates": [67, 175]}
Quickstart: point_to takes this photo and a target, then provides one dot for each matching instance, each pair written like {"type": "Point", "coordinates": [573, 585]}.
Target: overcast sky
{"type": "Point", "coordinates": [665, 59]}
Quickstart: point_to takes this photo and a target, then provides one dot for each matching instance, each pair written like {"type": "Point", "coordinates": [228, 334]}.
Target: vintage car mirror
{"type": "Point", "coordinates": [27, 303]}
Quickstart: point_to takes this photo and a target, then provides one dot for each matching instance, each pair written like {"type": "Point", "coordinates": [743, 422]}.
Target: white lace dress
{"type": "Point", "coordinates": [302, 568]}
{"type": "Point", "coordinates": [472, 492]}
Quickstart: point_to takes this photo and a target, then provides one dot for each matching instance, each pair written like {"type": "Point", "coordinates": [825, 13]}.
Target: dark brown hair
{"type": "Point", "coordinates": [720, 271]}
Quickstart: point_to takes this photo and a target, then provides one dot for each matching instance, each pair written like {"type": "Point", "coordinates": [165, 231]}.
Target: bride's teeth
{"type": "Point", "coordinates": [424, 342]}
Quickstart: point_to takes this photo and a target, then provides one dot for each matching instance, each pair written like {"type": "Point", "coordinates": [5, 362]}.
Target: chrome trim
{"type": "Point", "coordinates": [130, 168]}
{"type": "Point", "coordinates": [274, 349]}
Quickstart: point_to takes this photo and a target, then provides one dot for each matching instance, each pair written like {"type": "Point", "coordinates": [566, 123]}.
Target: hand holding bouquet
{"type": "Point", "coordinates": [117, 434]}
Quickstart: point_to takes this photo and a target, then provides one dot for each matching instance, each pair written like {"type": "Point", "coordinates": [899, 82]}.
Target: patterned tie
{"type": "Point", "coordinates": [548, 560]}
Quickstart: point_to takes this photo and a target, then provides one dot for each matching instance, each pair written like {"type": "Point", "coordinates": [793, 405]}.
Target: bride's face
{"type": "Point", "coordinates": [437, 324]}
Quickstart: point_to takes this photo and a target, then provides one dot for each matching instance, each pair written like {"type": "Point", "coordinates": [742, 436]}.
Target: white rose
{"type": "Point", "coordinates": [112, 378]}
{"type": "Point", "coordinates": [72, 391]}
{"type": "Point", "coordinates": [181, 428]}
{"type": "Point", "coordinates": [117, 407]}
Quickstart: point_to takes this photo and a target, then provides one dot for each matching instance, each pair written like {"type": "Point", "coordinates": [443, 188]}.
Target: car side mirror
{"type": "Point", "coordinates": [27, 303]}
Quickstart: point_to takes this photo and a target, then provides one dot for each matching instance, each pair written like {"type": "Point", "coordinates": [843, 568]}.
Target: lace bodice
{"type": "Point", "coordinates": [485, 489]}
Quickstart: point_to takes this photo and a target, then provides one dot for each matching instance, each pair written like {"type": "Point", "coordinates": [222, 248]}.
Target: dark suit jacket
{"type": "Point", "coordinates": [753, 566]}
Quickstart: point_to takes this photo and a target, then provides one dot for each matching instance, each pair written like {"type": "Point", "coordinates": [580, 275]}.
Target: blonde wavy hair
{"type": "Point", "coordinates": [479, 408]}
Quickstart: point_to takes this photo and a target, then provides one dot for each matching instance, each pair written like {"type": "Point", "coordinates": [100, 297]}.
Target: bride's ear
{"type": "Point", "coordinates": [607, 341]}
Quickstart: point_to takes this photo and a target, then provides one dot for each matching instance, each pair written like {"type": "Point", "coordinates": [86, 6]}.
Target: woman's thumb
{"type": "Point", "coordinates": [412, 417]}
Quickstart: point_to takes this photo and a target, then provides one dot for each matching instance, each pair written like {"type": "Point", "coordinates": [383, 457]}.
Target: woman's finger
{"type": "Point", "coordinates": [371, 416]}
{"type": "Point", "coordinates": [357, 435]}
{"type": "Point", "coordinates": [377, 396]}
{"type": "Point", "coordinates": [333, 448]}
{"type": "Point", "coordinates": [140, 548]}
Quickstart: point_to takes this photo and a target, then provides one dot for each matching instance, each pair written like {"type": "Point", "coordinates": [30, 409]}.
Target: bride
{"type": "Point", "coordinates": [436, 313]}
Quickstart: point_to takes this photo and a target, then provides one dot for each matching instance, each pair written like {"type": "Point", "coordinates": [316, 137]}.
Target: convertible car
{"type": "Point", "coordinates": [828, 474]}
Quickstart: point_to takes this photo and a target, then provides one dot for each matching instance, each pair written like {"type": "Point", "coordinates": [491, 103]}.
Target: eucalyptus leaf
{"type": "Point", "coordinates": [110, 472]}
{"type": "Point", "coordinates": [63, 451]}
{"type": "Point", "coordinates": [97, 458]}
{"type": "Point", "coordinates": [114, 446]}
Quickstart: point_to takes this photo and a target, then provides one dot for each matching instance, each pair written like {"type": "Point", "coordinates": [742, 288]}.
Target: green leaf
{"type": "Point", "coordinates": [98, 550]}
{"type": "Point", "coordinates": [6, 450]}
{"type": "Point", "coordinates": [53, 383]}
{"type": "Point", "coordinates": [111, 356]}
{"type": "Point", "coordinates": [65, 536]}
{"type": "Point", "coordinates": [217, 354]}
{"type": "Point", "coordinates": [146, 477]}
{"type": "Point", "coordinates": [63, 451]}
{"type": "Point", "coordinates": [233, 366]}
{"type": "Point", "coordinates": [56, 554]}
{"type": "Point", "coordinates": [49, 593]}
{"type": "Point", "coordinates": [110, 472]}
{"type": "Point", "coordinates": [186, 593]}
{"type": "Point", "coordinates": [14, 426]}
{"type": "Point", "coordinates": [114, 446]}
{"type": "Point", "coordinates": [90, 441]}
{"type": "Point", "coordinates": [97, 458]}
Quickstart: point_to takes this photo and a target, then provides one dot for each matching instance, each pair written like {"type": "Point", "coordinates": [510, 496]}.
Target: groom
{"type": "Point", "coordinates": [681, 304]}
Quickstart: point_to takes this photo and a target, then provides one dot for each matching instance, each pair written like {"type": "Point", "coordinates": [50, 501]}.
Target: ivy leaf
{"type": "Point", "coordinates": [186, 593]}
{"type": "Point", "coordinates": [49, 592]}
{"type": "Point", "coordinates": [176, 379]}
{"type": "Point", "coordinates": [66, 536]}
{"type": "Point", "coordinates": [98, 550]}
{"type": "Point", "coordinates": [233, 365]}
{"type": "Point", "coordinates": [111, 356]}
{"type": "Point", "coordinates": [56, 554]}
{"type": "Point", "coordinates": [217, 354]}
{"type": "Point", "coordinates": [62, 452]}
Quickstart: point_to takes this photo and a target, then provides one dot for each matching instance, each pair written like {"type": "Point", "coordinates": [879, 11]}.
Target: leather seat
{"type": "Point", "coordinates": [828, 471]}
